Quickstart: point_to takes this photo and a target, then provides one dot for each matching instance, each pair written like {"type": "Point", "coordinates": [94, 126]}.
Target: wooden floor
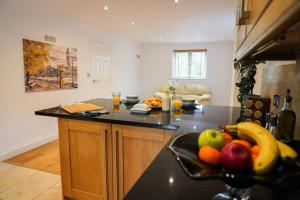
{"type": "Point", "coordinates": [43, 158]}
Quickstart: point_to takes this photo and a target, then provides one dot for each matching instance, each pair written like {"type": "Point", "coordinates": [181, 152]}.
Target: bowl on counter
{"type": "Point", "coordinates": [132, 99]}
{"type": "Point", "coordinates": [188, 102]}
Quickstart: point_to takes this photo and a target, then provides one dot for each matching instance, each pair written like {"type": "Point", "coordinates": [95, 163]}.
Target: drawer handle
{"type": "Point", "coordinates": [242, 15]}
{"type": "Point", "coordinates": [116, 160]}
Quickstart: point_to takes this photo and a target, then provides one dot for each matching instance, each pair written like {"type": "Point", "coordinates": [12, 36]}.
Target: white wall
{"type": "Point", "coordinates": [20, 129]}
{"type": "Point", "coordinates": [156, 62]}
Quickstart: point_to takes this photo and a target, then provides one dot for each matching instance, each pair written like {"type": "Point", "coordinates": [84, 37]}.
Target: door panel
{"type": "Point", "coordinates": [84, 158]}
{"type": "Point", "coordinates": [240, 30]}
{"type": "Point", "coordinates": [136, 148]}
{"type": "Point", "coordinates": [139, 147]}
{"type": "Point", "coordinates": [87, 161]}
{"type": "Point", "coordinates": [101, 70]}
{"type": "Point", "coordinates": [255, 8]}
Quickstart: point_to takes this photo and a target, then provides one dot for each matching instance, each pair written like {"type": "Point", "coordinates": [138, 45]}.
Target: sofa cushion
{"type": "Point", "coordinates": [180, 88]}
{"type": "Point", "coordinates": [160, 94]}
{"type": "Point", "coordinates": [164, 88]}
{"type": "Point", "coordinates": [195, 90]}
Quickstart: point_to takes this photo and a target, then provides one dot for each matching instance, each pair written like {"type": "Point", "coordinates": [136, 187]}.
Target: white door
{"type": "Point", "coordinates": [101, 71]}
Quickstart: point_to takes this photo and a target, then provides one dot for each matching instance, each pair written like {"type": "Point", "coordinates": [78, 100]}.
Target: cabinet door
{"type": "Point", "coordinates": [136, 149]}
{"type": "Point", "coordinates": [240, 35]}
{"type": "Point", "coordinates": [268, 18]}
{"type": "Point", "coordinates": [256, 9]}
{"type": "Point", "coordinates": [83, 154]}
{"type": "Point", "coordinates": [240, 29]}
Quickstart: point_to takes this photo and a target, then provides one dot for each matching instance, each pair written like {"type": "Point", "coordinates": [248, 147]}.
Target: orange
{"type": "Point", "coordinates": [244, 143]}
{"type": "Point", "coordinates": [209, 155]}
{"type": "Point", "coordinates": [227, 137]}
{"type": "Point", "coordinates": [254, 156]}
{"type": "Point", "coordinates": [255, 150]}
{"type": "Point", "coordinates": [156, 99]}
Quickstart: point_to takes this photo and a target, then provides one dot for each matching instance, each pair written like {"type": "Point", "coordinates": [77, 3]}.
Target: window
{"type": "Point", "coordinates": [189, 64]}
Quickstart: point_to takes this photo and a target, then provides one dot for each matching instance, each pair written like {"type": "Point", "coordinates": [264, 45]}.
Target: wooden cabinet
{"type": "Point", "coordinates": [240, 29]}
{"type": "Point", "coordinates": [101, 161]}
{"type": "Point", "coordinates": [136, 147]}
{"type": "Point", "coordinates": [84, 158]}
{"type": "Point", "coordinates": [267, 20]}
{"type": "Point", "coordinates": [255, 9]}
{"type": "Point", "coordinates": [240, 35]}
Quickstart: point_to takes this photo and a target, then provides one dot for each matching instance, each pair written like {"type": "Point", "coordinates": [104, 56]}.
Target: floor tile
{"type": "Point", "coordinates": [54, 193]}
{"type": "Point", "coordinates": [31, 187]}
{"type": "Point", "coordinates": [13, 175]}
{"type": "Point", "coordinates": [4, 166]}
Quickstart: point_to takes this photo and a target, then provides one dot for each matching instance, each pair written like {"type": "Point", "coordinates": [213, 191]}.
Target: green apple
{"type": "Point", "coordinates": [211, 137]}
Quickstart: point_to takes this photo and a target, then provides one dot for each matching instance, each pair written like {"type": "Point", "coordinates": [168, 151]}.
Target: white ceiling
{"type": "Point", "coordinates": [186, 21]}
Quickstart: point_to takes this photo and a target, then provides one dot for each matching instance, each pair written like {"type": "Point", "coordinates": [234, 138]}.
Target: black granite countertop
{"type": "Point", "coordinates": [164, 179]}
{"type": "Point", "coordinates": [193, 120]}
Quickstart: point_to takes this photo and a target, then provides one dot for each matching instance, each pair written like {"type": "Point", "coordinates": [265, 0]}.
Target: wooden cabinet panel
{"type": "Point", "coordinates": [240, 35]}
{"type": "Point", "coordinates": [84, 154]}
{"type": "Point", "coordinates": [102, 161]}
{"type": "Point", "coordinates": [268, 18]}
{"type": "Point", "coordinates": [87, 161]}
{"type": "Point", "coordinates": [255, 8]}
{"type": "Point", "coordinates": [240, 30]}
{"type": "Point", "coordinates": [136, 149]}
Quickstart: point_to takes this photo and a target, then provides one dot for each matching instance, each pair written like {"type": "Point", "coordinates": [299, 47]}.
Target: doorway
{"type": "Point", "coordinates": [101, 71]}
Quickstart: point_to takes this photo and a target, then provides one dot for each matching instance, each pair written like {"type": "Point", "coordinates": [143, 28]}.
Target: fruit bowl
{"type": "Point", "coordinates": [284, 176]}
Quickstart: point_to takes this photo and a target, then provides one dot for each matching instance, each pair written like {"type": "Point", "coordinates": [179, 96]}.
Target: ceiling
{"type": "Point", "coordinates": [154, 20]}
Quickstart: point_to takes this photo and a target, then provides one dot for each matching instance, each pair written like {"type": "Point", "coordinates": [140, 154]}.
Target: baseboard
{"type": "Point", "coordinates": [28, 145]}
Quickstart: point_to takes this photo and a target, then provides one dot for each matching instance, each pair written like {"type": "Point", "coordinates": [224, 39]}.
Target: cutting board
{"type": "Point", "coordinates": [82, 107]}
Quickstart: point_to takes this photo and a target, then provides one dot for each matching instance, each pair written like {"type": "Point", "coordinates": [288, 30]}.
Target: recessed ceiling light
{"type": "Point", "coordinates": [194, 30]}
{"type": "Point", "coordinates": [176, 1]}
{"type": "Point", "coordinates": [149, 33]}
{"type": "Point", "coordinates": [160, 38]}
{"type": "Point", "coordinates": [132, 23]}
{"type": "Point", "coordinates": [105, 8]}
{"type": "Point", "coordinates": [188, 19]}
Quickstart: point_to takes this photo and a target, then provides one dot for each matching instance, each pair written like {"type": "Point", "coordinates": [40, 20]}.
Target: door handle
{"type": "Point", "coordinates": [106, 158]}
{"type": "Point", "coordinates": [116, 167]}
{"type": "Point", "coordinates": [242, 15]}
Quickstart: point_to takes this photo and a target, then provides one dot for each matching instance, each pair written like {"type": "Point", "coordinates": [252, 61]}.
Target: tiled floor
{"type": "Point", "coordinates": [19, 183]}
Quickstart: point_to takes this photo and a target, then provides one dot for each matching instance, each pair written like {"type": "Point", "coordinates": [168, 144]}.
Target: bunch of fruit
{"type": "Point", "coordinates": [255, 149]}
{"type": "Point", "coordinates": [154, 102]}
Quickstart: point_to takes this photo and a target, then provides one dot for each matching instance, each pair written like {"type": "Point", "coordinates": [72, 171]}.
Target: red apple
{"type": "Point", "coordinates": [235, 157]}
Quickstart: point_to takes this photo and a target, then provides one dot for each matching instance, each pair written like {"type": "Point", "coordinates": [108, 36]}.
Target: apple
{"type": "Point", "coordinates": [212, 138]}
{"type": "Point", "coordinates": [235, 157]}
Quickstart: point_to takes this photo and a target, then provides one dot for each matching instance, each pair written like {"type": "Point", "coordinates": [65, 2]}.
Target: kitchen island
{"type": "Point", "coordinates": [120, 155]}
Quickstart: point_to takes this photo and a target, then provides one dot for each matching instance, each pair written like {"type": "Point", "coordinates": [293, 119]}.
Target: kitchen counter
{"type": "Point", "coordinates": [164, 178]}
{"type": "Point", "coordinates": [187, 120]}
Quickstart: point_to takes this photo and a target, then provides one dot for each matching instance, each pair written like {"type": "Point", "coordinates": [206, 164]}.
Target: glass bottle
{"type": "Point", "coordinates": [273, 127]}
{"type": "Point", "coordinates": [268, 121]}
{"type": "Point", "coordinates": [287, 118]}
{"type": "Point", "coordinates": [166, 103]}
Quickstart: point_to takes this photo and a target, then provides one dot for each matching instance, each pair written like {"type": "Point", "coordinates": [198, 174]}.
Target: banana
{"type": "Point", "coordinates": [286, 153]}
{"type": "Point", "coordinates": [269, 151]}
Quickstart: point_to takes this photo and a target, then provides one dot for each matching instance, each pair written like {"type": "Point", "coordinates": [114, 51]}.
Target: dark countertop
{"type": "Point", "coordinates": [164, 179]}
{"type": "Point", "coordinates": [188, 120]}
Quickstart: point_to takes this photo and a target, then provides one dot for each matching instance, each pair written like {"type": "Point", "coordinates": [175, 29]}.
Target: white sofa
{"type": "Point", "coordinates": [200, 93]}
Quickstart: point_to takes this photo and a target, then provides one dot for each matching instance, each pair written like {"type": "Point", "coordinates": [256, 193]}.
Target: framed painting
{"type": "Point", "coordinates": [49, 67]}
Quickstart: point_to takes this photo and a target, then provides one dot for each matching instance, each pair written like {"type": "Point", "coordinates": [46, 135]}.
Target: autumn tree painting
{"type": "Point", "coordinates": [49, 67]}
